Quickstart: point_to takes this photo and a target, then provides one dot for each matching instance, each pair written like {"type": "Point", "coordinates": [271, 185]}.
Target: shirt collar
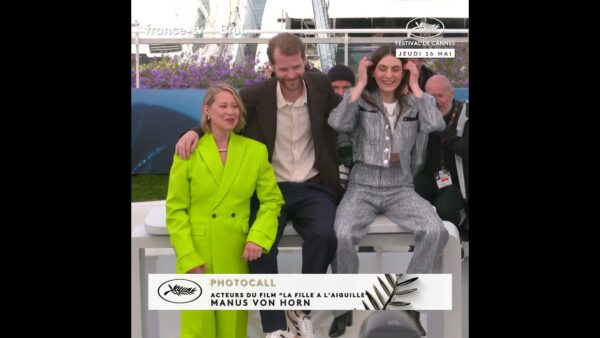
{"type": "Point", "coordinates": [281, 102]}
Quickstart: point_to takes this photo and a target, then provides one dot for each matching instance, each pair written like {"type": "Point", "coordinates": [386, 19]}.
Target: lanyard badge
{"type": "Point", "coordinates": [443, 179]}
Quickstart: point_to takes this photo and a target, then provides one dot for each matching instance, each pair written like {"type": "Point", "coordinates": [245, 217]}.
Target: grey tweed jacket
{"type": "Point", "coordinates": [373, 137]}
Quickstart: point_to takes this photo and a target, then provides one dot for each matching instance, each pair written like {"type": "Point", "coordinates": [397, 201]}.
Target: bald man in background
{"type": "Point", "coordinates": [439, 181]}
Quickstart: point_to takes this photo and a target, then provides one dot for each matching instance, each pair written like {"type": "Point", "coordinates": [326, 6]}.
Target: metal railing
{"type": "Point", "coordinates": [345, 39]}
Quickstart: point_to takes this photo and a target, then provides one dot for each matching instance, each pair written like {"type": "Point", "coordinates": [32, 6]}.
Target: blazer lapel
{"type": "Point", "coordinates": [315, 106]}
{"type": "Point", "coordinates": [266, 111]}
{"type": "Point", "coordinates": [210, 154]}
{"type": "Point", "coordinates": [235, 156]}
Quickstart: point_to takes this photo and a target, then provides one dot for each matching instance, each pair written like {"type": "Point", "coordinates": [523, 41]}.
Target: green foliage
{"type": "Point", "coordinates": [149, 187]}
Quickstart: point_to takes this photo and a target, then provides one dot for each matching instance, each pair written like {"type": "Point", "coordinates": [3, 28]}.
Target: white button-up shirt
{"type": "Point", "coordinates": [294, 153]}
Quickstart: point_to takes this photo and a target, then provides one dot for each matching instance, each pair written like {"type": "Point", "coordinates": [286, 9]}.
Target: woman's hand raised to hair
{"type": "Point", "coordinates": [362, 78]}
{"type": "Point", "coordinates": [413, 80]}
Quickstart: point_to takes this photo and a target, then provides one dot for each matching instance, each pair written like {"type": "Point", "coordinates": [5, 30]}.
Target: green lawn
{"type": "Point", "coordinates": [149, 187]}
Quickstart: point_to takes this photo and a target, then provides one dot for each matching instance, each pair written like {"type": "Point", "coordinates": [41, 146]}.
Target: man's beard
{"type": "Point", "coordinates": [297, 81]}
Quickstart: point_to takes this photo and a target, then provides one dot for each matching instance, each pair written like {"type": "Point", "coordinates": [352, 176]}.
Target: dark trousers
{"type": "Point", "coordinates": [447, 201]}
{"type": "Point", "coordinates": [311, 208]}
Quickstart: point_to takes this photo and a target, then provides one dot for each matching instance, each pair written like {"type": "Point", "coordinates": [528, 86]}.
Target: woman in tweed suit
{"type": "Point", "coordinates": [385, 123]}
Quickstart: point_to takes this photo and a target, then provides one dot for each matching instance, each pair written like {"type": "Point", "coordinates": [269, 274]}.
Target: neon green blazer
{"type": "Point", "coordinates": [208, 204]}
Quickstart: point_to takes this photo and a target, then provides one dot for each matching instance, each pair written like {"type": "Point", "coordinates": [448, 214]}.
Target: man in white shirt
{"type": "Point", "coordinates": [288, 113]}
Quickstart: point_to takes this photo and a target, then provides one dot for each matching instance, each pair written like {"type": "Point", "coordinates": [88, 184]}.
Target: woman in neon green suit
{"type": "Point", "coordinates": [208, 207]}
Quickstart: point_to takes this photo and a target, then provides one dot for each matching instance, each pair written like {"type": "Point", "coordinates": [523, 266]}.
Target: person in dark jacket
{"type": "Point", "coordinates": [342, 79]}
{"type": "Point", "coordinates": [441, 182]}
{"type": "Point", "coordinates": [288, 113]}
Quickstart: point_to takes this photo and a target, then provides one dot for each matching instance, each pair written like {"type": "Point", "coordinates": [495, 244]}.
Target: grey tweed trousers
{"type": "Point", "coordinates": [401, 204]}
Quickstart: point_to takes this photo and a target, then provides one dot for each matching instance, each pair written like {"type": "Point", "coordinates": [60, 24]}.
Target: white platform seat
{"type": "Point", "coordinates": [152, 233]}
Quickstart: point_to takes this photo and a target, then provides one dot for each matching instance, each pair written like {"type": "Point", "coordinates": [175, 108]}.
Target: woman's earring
{"type": "Point", "coordinates": [208, 118]}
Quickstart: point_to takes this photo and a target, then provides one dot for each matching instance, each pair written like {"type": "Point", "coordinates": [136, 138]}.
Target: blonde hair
{"type": "Point", "coordinates": [209, 99]}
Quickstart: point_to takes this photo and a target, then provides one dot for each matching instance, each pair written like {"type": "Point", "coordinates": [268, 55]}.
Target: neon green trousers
{"type": "Point", "coordinates": [214, 324]}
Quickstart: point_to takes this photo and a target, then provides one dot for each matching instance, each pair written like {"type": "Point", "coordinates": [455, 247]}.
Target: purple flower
{"type": "Point", "coordinates": [456, 69]}
{"type": "Point", "coordinates": [194, 72]}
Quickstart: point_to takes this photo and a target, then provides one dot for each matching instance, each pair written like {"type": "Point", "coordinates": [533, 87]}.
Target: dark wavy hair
{"type": "Point", "coordinates": [369, 91]}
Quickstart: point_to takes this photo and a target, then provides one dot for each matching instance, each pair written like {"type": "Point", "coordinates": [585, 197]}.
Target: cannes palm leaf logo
{"type": "Point", "coordinates": [180, 290]}
{"type": "Point", "coordinates": [384, 293]}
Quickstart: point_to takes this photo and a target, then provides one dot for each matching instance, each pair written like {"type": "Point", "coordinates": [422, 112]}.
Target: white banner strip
{"type": "Point", "coordinates": [300, 292]}
{"type": "Point", "coordinates": [432, 53]}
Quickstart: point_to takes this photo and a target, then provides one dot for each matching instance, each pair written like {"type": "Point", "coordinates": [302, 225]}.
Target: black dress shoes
{"type": "Point", "coordinates": [416, 316]}
{"type": "Point", "coordinates": [338, 326]}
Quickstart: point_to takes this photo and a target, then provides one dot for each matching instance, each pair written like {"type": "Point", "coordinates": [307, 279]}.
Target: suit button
{"type": "Point", "coordinates": [233, 215]}
{"type": "Point", "coordinates": [214, 215]}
